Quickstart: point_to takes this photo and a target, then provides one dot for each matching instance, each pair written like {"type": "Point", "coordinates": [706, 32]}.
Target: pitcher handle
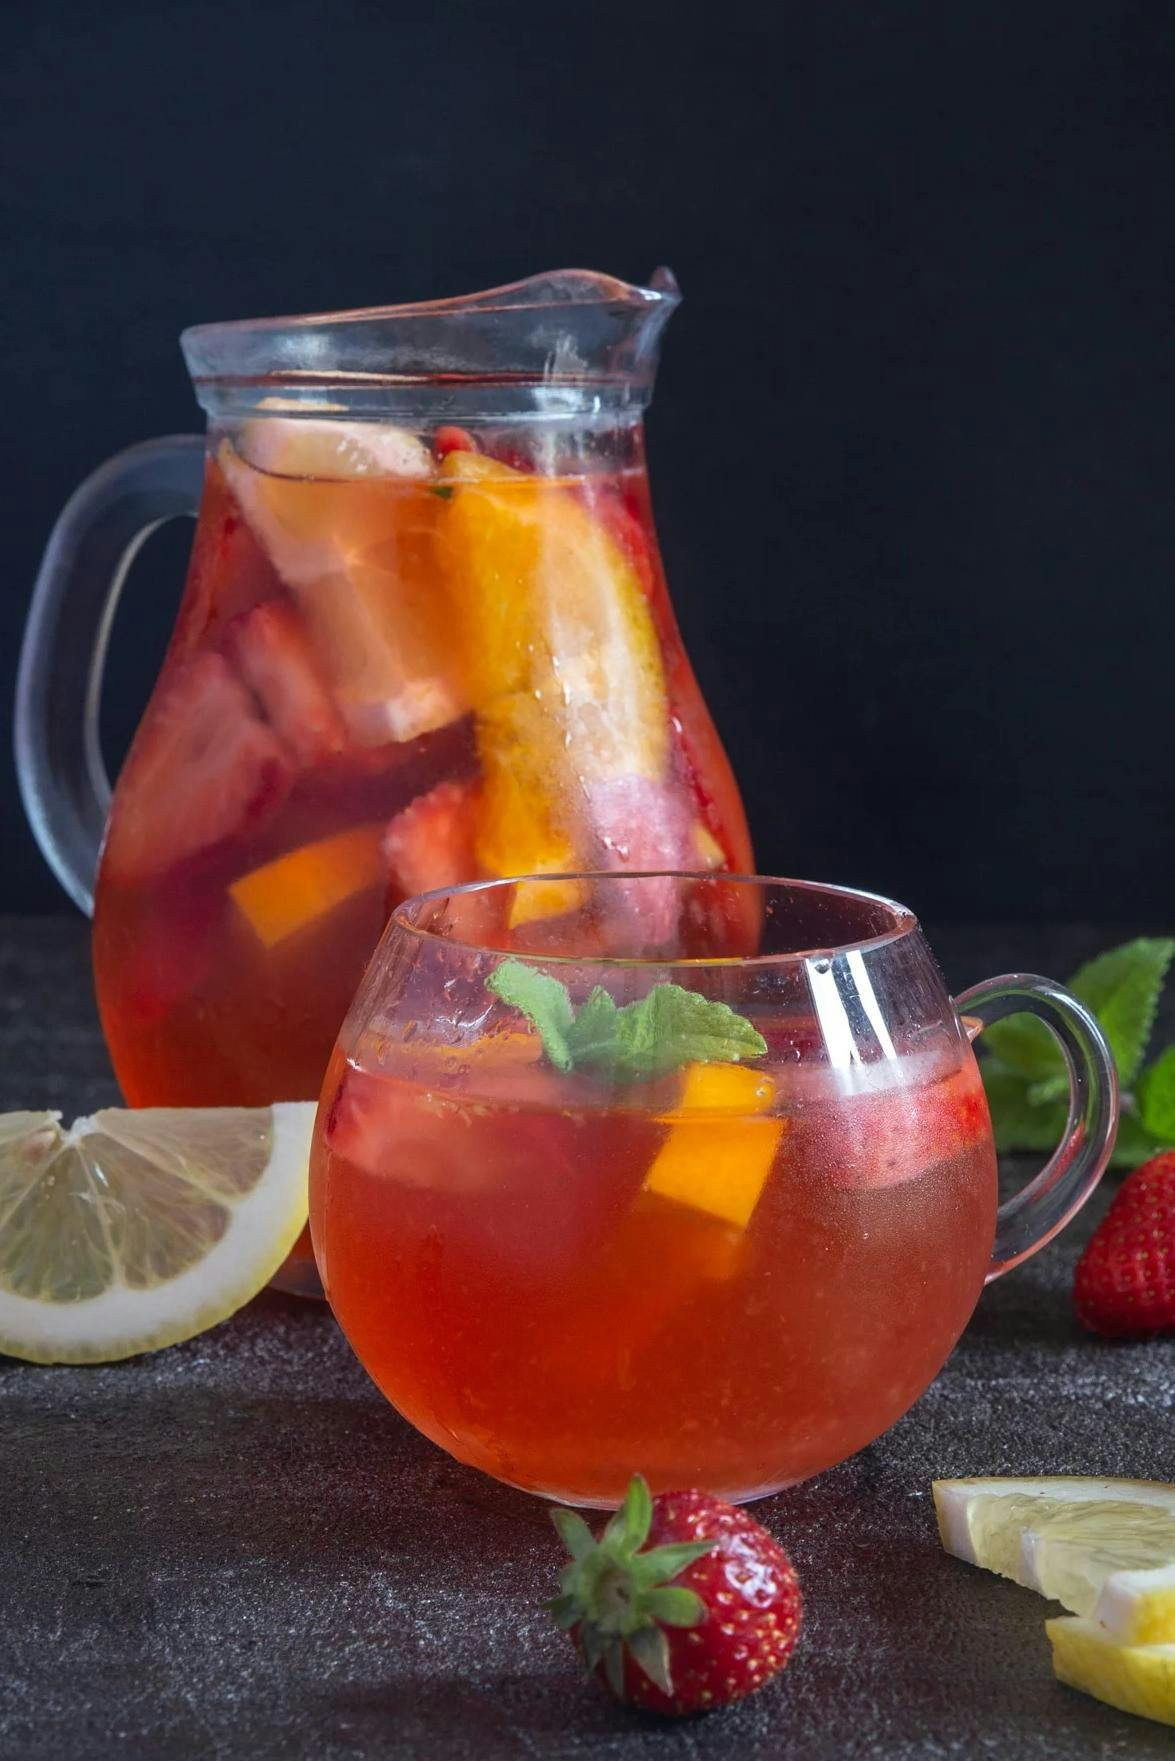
{"type": "Point", "coordinates": [59, 763]}
{"type": "Point", "coordinates": [1030, 1219]}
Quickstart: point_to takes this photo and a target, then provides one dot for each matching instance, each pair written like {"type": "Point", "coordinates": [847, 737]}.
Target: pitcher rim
{"type": "Point", "coordinates": [621, 293]}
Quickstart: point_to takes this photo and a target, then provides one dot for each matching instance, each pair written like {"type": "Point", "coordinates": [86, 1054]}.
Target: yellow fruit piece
{"type": "Point", "coordinates": [1135, 1678]}
{"type": "Point", "coordinates": [715, 1164]}
{"type": "Point", "coordinates": [136, 1229]}
{"type": "Point", "coordinates": [1103, 1548]}
{"type": "Point", "coordinates": [291, 892]}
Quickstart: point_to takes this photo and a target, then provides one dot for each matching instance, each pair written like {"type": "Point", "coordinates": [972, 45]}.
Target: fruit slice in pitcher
{"type": "Point", "coordinates": [274, 656]}
{"type": "Point", "coordinates": [204, 767]}
{"type": "Point", "coordinates": [308, 884]}
{"type": "Point", "coordinates": [430, 845]}
{"type": "Point", "coordinates": [565, 672]}
{"type": "Point", "coordinates": [356, 552]}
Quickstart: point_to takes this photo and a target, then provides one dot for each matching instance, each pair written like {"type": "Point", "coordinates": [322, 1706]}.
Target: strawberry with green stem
{"type": "Point", "coordinates": [683, 1604]}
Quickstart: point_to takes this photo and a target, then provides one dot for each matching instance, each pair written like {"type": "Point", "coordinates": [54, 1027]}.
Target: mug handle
{"type": "Point", "coordinates": [1030, 1219]}
{"type": "Point", "coordinates": [59, 762]}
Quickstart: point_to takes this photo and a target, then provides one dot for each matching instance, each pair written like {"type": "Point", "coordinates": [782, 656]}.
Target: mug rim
{"type": "Point", "coordinates": [904, 921]}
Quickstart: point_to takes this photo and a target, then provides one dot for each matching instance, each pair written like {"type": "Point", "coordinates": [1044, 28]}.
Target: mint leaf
{"type": "Point", "coordinates": [1019, 1122]}
{"type": "Point", "coordinates": [662, 1031]}
{"type": "Point", "coordinates": [668, 1028]}
{"type": "Point", "coordinates": [542, 999]}
{"type": "Point", "coordinates": [1122, 987]}
{"type": "Point", "coordinates": [1155, 1096]}
{"type": "Point", "coordinates": [1025, 1045]}
{"type": "Point", "coordinates": [1136, 1144]}
{"type": "Point", "coordinates": [593, 1034]}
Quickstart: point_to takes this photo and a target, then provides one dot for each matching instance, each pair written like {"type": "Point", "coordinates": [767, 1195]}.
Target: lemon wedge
{"type": "Point", "coordinates": [135, 1229]}
{"type": "Point", "coordinates": [1135, 1678]}
{"type": "Point", "coordinates": [1104, 1549]}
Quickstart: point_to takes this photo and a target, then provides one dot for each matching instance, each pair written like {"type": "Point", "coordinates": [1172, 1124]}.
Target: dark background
{"type": "Point", "coordinates": [912, 446]}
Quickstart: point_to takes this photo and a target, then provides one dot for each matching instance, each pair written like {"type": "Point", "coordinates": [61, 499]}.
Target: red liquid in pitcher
{"type": "Point", "coordinates": [733, 1280]}
{"type": "Point", "coordinates": [397, 666]}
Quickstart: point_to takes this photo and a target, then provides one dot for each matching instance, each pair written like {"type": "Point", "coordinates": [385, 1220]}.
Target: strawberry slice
{"type": "Point", "coordinates": [449, 438]}
{"type": "Point", "coordinates": [430, 844]}
{"type": "Point", "coordinates": [204, 766]}
{"type": "Point", "coordinates": [276, 659]}
{"type": "Point", "coordinates": [884, 1139]}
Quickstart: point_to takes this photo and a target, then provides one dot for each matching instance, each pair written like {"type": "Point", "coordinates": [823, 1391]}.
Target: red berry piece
{"type": "Point", "coordinates": [683, 1604]}
{"type": "Point", "coordinates": [449, 438]}
{"type": "Point", "coordinates": [1125, 1281]}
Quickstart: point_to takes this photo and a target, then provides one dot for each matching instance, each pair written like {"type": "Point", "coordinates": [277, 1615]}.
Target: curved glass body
{"type": "Point", "coordinates": [729, 1275]}
{"type": "Point", "coordinates": [425, 638]}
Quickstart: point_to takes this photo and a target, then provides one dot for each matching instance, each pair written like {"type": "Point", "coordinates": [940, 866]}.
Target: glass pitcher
{"type": "Point", "coordinates": [425, 639]}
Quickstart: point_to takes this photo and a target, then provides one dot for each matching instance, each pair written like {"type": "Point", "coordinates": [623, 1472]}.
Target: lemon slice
{"type": "Point", "coordinates": [1102, 1548]}
{"type": "Point", "coordinates": [136, 1229]}
{"type": "Point", "coordinates": [1135, 1678]}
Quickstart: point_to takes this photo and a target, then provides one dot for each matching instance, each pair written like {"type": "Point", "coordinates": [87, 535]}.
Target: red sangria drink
{"type": "Point", "coordinates": [721, 1220]}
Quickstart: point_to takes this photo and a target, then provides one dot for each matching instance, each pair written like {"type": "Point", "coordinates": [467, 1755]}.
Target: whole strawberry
{"type": "Point", "coordinates": [1125, 1281]}
{"type": "Point", "coordinates": [682, 1605]}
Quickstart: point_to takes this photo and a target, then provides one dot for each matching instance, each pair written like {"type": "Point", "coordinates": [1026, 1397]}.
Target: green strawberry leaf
{"type": "Point", "coordinates": [1154, 1095]}
{"type": "Point", "coordinates": [542, 999]}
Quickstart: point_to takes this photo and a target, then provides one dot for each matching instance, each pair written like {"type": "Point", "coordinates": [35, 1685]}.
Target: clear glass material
{"type": "Point", "coordinates": [425, 638]}
{"type": "Point", "coordinates": [723, 1275]}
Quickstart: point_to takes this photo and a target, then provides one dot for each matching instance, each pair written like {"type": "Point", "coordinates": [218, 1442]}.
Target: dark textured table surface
{"type": "Point", "coordinates": [237, 1549]}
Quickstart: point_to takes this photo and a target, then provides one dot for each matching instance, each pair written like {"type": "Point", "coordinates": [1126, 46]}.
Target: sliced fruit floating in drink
{"type": "Point", "coordinates": [1104, 1549]}
{"type": "Point", "coordinates": [898, 1133]}
{"type": "Point", "coordinates": [275, 658]}
{"type": "Point", "coordinates": [719, 1152]}
{"type": "Point", "coordinates": [556, 619]}
{"type": "Point", "coordinates": [137, 1229]}
{"type": "Point", "coordinates": [204, 767]}
{"type": "Point", "coordinates": [355, 548]}
{"type": "Point", "coordinates": [305, 886]}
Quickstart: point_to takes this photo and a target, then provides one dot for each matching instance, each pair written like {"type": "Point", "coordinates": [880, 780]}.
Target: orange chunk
{"type": "Point", "coordinates": [288, 894]}
{"type": "Point", "coordinates": [720, 1150]}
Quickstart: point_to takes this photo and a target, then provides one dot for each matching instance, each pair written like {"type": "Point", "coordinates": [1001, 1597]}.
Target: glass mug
{"type": "Point", "coordinates": [425, 638]}
{"type": "Point", "coordinates": [569, 1252]}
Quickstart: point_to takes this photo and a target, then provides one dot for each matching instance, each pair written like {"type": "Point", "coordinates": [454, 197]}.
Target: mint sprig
{"type": "Point", "coordinates": [660, 1032]}
{"type": "Point", "coordinates": [1025, 1076]}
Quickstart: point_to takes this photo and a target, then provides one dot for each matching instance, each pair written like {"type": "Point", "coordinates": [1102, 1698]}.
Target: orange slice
{"type": "Point", "coordinates": [718, 1154]}
{"type": "Point", "coordinates": [563, 664]}
{"type": "Point", "coordinates": [293, 891]}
